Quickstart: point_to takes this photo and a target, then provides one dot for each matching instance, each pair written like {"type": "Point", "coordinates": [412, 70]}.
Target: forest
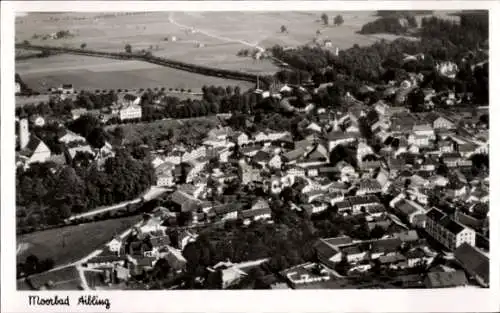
{"type": "Point", "coordinates": [47, 194]}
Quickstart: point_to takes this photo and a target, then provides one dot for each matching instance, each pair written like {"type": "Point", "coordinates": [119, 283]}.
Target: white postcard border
{"type": "Point", "coordinates": [449, 300]}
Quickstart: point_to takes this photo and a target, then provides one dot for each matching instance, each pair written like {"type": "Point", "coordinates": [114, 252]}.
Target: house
{"type": "Point", "coordinates": [130, 107]}
{"type": "Point", "coordinates": [363, 150]}
{"type": "Point", "coordinates": [418, 141]}
{"type": "Point", "coordinates": [260, 211]}
{"type": "Point", "coordinates": [242, 139]}
{"type": "Point", "coordinates": [368, 186]}
{"type": "Point", "coordinates": [447, 231]}
{"type": "Point", "coordinates": [445, 279]}
{"type": "Point", "coordinates": [70, 137]}
{"type": "Point", "coordinates": [346, 170]}
{"type": "Point", "coordinates": [66, 89]}
{"type": "Point", "coordinates": [115, 245]}
{"type": "Point", "coordinates": [410, 211]}
{"type": "Point", "coordinates": [335, 138]}
{"type": "Point", "coordinates": [445, 146]}
{"type": "Point", "coordinates": [354, 204]}
{"type": "Point", "coordinates": [262, 158]}
{"type": "Point", "coordinates": [418, 256]}
{"type": "Point", "coordinates": [77, 113]}
{"type": "Point", "coordinates": [74, 147]}
{"type": "Point", "coordinates": [452, 159]}
{"type": "Point", "coordinates": [185, 201]}
{"type": "Point", "coordinates": [130, 112]}
{"type": "Point", "coordinates": [230, 275]}
{"type": "Point", "coordinates": [383, 179]}
{"type": "Point", "coordinates": [407, 236]}
{"type": "Point", "coordinates": [295, 171]}
{"type": "Point", "coordinates": [306, 274]}
{"type": "Point", "coordinates": [165, 175]}
{"type": "Point", "coordinates": [174, 257]}
{"type": "Point", "coordinates": [276, 162]}
{"type": "Point", "coordinates": [248, 173]}
{"type": "Point", "coordinates": [442, 123]}
{"type": "Point", "coordinates": [475, 263]}
{"type": "Point", "coordinates": [226, 211]}
{"type": "Point", "coordinates": [106, 261]}
{"type": "Point", "coordinates": [186, 237]}
{"type": "Point", "coordinates": [221, 133]}
{"type": "Point", "coordinates": [36, 151]}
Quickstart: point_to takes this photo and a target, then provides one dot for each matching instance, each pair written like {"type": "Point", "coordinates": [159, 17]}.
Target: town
{"type": "Point", "coordinates": [330, 174]}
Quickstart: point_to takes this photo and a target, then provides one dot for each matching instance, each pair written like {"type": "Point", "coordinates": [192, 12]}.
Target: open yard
{"type": "Point", "coordinates": [71, 243]}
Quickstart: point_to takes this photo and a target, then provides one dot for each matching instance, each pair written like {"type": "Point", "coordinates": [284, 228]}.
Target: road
{"type": "Point", "coordinates": [151, 193]}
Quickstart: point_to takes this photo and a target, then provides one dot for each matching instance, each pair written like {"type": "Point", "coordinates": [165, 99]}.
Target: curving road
{"type": "Point", "coordinates": [222, 38]}
{"type": "Point", "coordinates": [149, 194]}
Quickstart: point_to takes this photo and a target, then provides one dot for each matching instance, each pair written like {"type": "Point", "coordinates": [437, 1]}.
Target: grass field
{"type": "Point", "coordinates": [223, 34]}
{"type": "Point", "coordinates": [90, 73]}
{"type": "Point", "coordinates": [79, 240]}
{"type": "Point", "coordinates": [135, 132]}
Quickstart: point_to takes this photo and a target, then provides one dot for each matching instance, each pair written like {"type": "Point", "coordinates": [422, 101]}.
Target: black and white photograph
{"type": "Point", "coordinates": [173, 150]}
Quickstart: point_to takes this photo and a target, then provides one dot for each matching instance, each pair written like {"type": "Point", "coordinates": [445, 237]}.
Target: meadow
{"type": "Point", "coordinates": [89, 73]}
{"type": "Point", "coordinates": [69, 244]}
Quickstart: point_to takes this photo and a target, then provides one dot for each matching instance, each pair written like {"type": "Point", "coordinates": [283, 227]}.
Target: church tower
{"type": "Point", "coordinates": [24, 134]}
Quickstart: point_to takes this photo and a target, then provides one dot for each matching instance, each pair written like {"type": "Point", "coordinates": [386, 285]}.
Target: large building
{"type": "Point", "coordinates": [447, 231]}
{"type": "Point", "coordinates": [130, 108]}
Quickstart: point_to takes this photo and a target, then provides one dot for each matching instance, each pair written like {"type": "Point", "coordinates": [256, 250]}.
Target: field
{"type": "Point", "coordinates": [135, 132]}
{"type": "Point", "coordinates": [178, 35]}
{"type": "Point", "coordinates": [89, 73]}
{"type": "Point", "coordinates": [71, 243]}
{"type": "Point", "coordinates": [205, 38]}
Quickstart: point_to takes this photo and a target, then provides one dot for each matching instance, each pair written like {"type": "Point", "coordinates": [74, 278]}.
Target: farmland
{"type": "Point", "coordinates": [71, 243]}
{"type": "Point", "coordinates": [89, 73]}
{"type": "Point", "coordinates": [205, 38]}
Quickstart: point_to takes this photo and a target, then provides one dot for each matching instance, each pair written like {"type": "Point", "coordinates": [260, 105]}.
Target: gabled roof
{"type": "Point", "coordinates": [451, 225]}
{"type": "Point", "coordinates": [337, 241]}
{"type": "Point", "coordinates": [473, 261]}
{"type": "Point", "coordinates": [435, 214]}
{"type": "Point", "coordinates": [446, 279]}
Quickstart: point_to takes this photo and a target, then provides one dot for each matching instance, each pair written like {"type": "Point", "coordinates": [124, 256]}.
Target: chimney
{"type": "Point", "coordinates": [24, 134]}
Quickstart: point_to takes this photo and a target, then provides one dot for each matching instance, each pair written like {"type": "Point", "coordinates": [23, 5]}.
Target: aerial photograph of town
{"type": "Point", "coordinates": [252, 150]}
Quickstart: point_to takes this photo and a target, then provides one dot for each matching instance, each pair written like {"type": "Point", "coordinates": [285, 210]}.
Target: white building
{"type": "Point", "coordinates": [130, 107]}
{"type": "Point", "coordinates": [447, 231]}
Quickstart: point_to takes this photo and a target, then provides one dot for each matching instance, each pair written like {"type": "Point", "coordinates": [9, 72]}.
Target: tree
{"type": "Point", "coordinates": [83, 45]}
{"type": "Point", "coordinates": [377, 232]}
{"type": "Point", "coordinates": [324, 18]}
{"type": "Point", "coordinates": [283, 29]}
{"type": "Point", "coordinates": [128, 48]}
{"type": "Point", "coordinates": [339, 20]}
